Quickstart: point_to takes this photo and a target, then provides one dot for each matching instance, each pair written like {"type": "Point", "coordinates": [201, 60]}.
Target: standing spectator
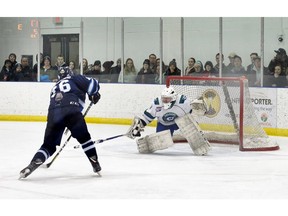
{"type": "Point", "coordinates": [217, 66]}
{"type": "Point", "coordinates": [281, 58]}
{"type": "Point", "coordinates": [250, 67]}
{"type": "Point", "coordinates": [130, 73]}
{"type": "Point", "coordinates": [115, 71]}
{"type": "Point", "coordinates": [146, 75]}
{"type": "Point", "coordinates": [190, 68]}
{"type": "Point", "coordinates": [6, 73]}
{"type": "Point", "coordinates": [12, 57]}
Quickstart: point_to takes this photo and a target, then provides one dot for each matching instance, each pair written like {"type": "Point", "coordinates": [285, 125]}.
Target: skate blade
{"type": "Point", "coordinates": [99, 174]}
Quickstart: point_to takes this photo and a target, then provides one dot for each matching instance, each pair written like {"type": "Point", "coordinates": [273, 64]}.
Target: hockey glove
{"type": "Point", "coordinates": [136, 128]}
{"type": "Point", "coordinates": [95, 97]}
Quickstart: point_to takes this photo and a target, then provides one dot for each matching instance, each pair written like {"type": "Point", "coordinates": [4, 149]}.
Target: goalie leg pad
{"type": "Point", "coordinates": [154, 142]}
{"type": "Point", "coordinates": [194, 135]}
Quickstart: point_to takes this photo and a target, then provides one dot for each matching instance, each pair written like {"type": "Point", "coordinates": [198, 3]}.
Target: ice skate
{"type": "Point", "coordinates": [30, 168]}
{"type": "Point", "coordinates": [95, 164]}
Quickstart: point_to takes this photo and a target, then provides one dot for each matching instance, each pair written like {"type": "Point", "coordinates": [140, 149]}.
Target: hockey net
{"type": "Point", "coordinates": [231, 118]}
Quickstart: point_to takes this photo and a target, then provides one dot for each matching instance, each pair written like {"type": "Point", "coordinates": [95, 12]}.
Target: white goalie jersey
{"type": "Point", "coordinates": [167, 117]}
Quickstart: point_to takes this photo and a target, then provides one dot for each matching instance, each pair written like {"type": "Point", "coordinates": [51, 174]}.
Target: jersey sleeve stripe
{"type": "Point", "coordinates": [93, 87]}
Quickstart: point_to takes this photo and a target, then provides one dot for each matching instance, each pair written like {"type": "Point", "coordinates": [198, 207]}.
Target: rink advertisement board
{"type": "Point", "coordinates": [260, 104]}
{"type": "Point", "coordinates": [264, 101]}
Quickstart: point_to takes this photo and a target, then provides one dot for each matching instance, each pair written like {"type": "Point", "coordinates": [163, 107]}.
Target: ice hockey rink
{"type": "Point", "coordinates": [169, 176]}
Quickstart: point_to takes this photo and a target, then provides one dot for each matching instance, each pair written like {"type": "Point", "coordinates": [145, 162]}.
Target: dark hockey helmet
{"type": "Point", "coordinates": [64, 72]}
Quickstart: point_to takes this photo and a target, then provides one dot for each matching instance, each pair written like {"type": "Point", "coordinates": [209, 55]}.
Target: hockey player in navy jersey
{"type": "Point", "coordinates": [67, 100]}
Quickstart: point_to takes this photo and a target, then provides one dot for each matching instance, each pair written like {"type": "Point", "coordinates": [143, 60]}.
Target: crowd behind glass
{"type": "Point", "coordinates": [274, 75]}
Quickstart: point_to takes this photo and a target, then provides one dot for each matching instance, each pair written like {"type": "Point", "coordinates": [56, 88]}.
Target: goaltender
{"type": "Point", "coordinates": [173, 111]}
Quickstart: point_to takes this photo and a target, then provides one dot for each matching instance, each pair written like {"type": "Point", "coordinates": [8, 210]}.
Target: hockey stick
{"type": "Point", "coordinates": [102, 140]}
{"type": "Point", "coordinates": [62, 147]}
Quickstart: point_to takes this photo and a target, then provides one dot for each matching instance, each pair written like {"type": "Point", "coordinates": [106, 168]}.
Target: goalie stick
{"type": "Point", "coordinates": [102, 140]}
{"type": "Point", "coordinates": [63, 146]}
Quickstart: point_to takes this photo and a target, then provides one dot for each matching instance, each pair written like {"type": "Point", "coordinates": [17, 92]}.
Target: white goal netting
{"type": "Point", "coordinates": [231, 117]}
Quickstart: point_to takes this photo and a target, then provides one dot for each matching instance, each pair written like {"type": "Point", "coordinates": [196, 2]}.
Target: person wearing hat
{"type": "Point", "coordinates": [146, 75]}
{"type": "Point", "coordinates": [172, 70]}
{"type": "Point", "coordinates": [281, 59]}
{"type": "Point", "coordinates": [231, 59]}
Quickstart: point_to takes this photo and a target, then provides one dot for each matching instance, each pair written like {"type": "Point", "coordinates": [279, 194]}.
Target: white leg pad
{"type": "Point", "coordinates": [154, 142]}
{"type": "Point", "coordinates": [194, 135]}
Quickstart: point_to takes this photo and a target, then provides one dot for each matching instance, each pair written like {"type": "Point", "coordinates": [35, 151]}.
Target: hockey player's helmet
{"type": "Point", "coordinates": [168, 97]}
{"type": "Point", "coordinates": [64, 72]}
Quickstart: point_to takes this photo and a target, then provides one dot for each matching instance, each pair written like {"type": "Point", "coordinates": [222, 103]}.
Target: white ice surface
{"type": "Point", "coordinates": [170, 176]}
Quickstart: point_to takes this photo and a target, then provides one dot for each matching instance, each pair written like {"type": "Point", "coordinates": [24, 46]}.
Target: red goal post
{"type": "Point", "coordinates": [231, 117]}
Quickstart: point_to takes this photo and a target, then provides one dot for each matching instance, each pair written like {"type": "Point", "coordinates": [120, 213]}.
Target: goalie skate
{"type": "Point", "coordinates": [30, 168]}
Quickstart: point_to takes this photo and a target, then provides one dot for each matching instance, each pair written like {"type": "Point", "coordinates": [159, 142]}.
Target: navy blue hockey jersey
{"type": "Point", "coordinates": [72, 91]}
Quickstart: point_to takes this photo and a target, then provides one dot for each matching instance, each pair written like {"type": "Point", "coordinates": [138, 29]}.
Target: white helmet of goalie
{"type": "Point", "coordinates": [168, 97]}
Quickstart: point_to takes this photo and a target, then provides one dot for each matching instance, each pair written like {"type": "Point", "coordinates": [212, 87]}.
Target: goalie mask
{"type": "Point", "coordinates": [64, 72]}
{"type": "Point", "coordinates": [168, 97]}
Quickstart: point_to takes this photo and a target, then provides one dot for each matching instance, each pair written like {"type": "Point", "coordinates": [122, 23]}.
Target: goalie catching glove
{"type": "Point", "coordinates": [199, 106]}
{"type": "Point", "coordinates": [136, 128]}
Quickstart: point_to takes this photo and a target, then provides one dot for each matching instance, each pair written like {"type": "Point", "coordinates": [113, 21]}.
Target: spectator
{"type": "Point", "coordinates": [72, 67]}
{"type": "Point", "coordinates": [254, 77]}
{"type": "Point", "coordinates": [106, 73]}
{"type": "Point", "coordinates": [276, 80]}
{"type": "Point", "coordinates": [145, 75]}
{"type": "Point", "coordinates": [172, 69]}
{"type": "Point", "coordinates": [85, 66]}
{"type": "Point", "coordinates": [153, 64]}
{"type": "Point", "coordinates": [217, 66]}
{"type": "Point", "coordinates": [190, 68]}
{"type": "Point", "coordinates": [115, 71]}
{"type": "Point", "coordinates": [209, 70]}
{"type": "Point", "coordinates": [17, 71]}
{"type": "Point", "coordinates": [130, 73]}
{"type": "Point", "coordinates": [231, 63]}
{"type": "Point", "coordinates": [281, 58]}
{"type": "Point", "coordinates": [26, 70]}
{"type": "Point", "coordinates": [198, 66]}
{"type": "Point", "coordinates": [60, 62]}
{"type": "Point", "coordinates": [12, 57]}
{"type": "Point", "coordinates": [6, 73]}
{"type": "Point", "coordinates": [238, 69]}
{"type": "Point", "coordinates": [96, 70]}
{"type": "Point", "coordinates": [250, 67]}
{"type": "Point", "coordinates": [47, 72]}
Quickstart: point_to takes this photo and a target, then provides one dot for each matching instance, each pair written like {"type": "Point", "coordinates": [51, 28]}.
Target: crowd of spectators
{"type": "Point", "coordinates": [275, 75]}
